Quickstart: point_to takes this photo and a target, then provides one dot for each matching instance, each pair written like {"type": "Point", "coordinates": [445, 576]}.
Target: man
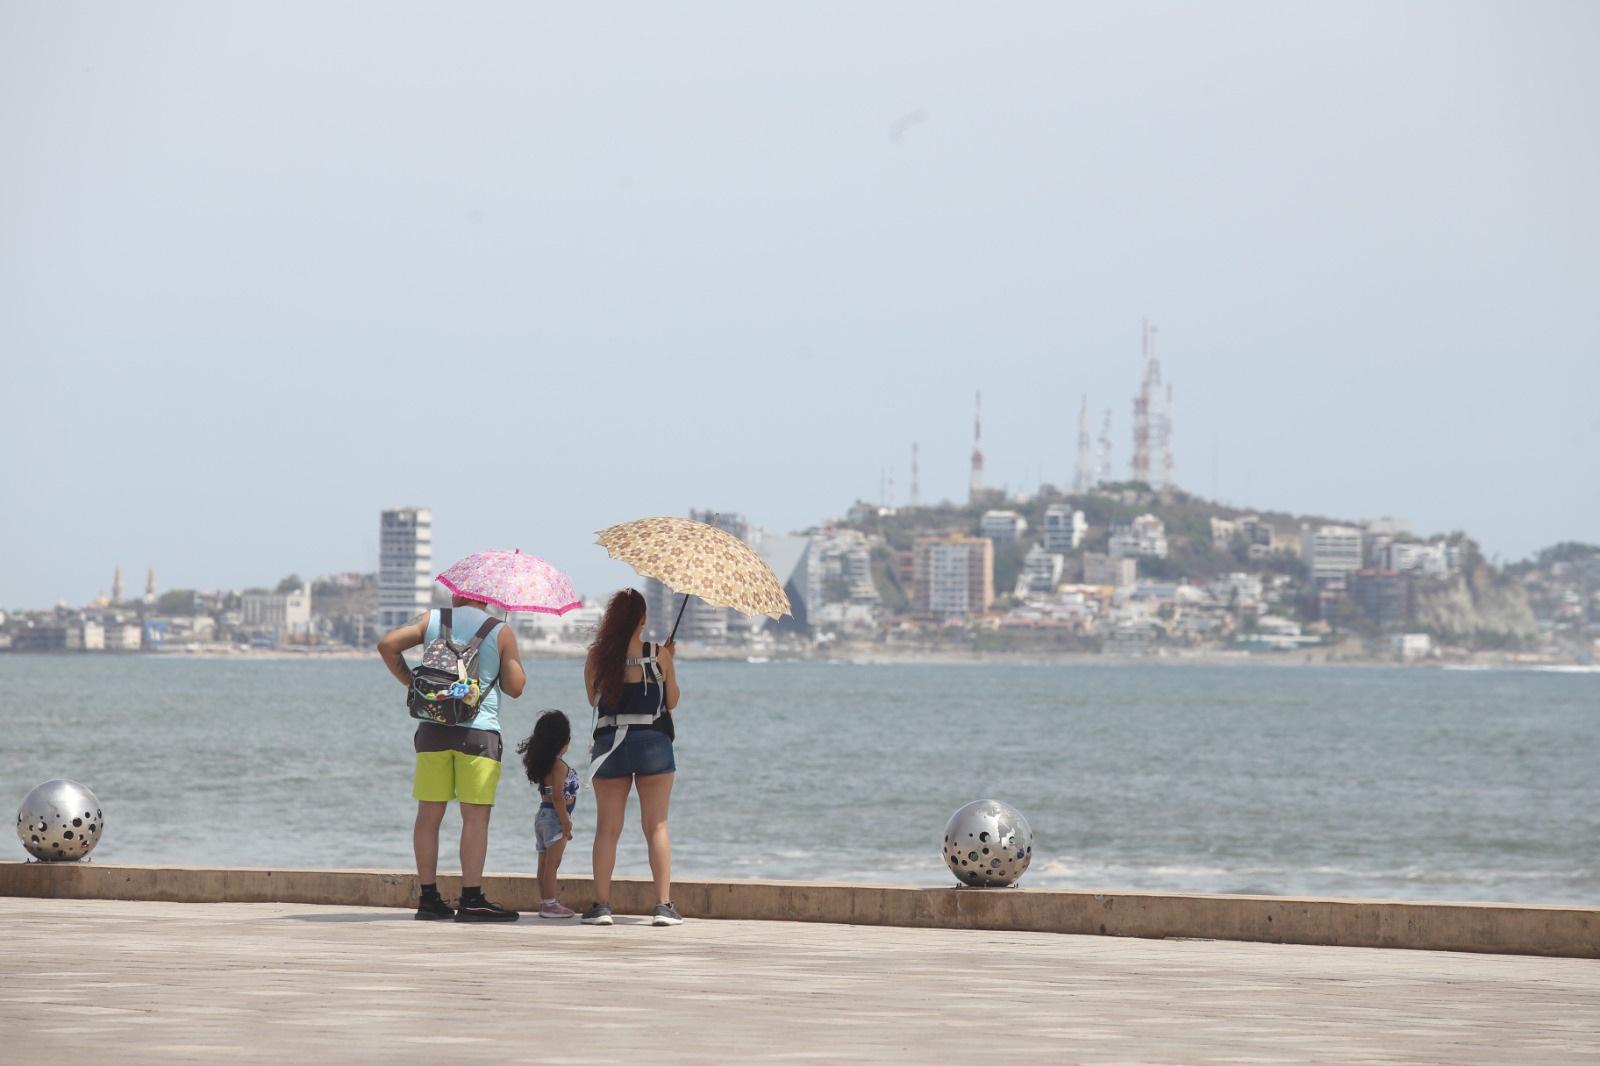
{"type": "Point", "coordinates": [458, 762]}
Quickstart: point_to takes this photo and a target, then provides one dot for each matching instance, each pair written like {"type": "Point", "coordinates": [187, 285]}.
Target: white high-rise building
{"type": "Point", "coordinates": [1064, 528]}
{"type": "Point", "coordinates": [285, 614]}
{"type": "Point", "coordinates": [1331, 554]}
{"type": "Point", "coordinates": [954, 577]}
{"type": "Point", "coordinates": [1146, 536]}
{"type": "Point", "coordinates": [405, 565]}
{"type": "Point", "coordinates": [1041, 571]}
{"type": "Point", "coordinates": [1428, 560]}
{"type": "Point", "coordinates": [1099, 569]}
{"type": "Point", "coordinates": [1002, 527]}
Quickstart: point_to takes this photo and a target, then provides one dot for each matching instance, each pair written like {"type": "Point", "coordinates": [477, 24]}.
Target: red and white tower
{"type": "Point", "coordinates": [1150, 386]}
{"type": "Point", "coordinates": [1164, 442]}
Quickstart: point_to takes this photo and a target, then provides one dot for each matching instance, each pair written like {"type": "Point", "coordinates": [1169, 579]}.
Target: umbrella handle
{"type": "Point", "coordinates": [679, 619]}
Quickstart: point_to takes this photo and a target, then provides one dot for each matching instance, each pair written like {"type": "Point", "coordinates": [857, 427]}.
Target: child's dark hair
{"type": "Point", "coordinates": [551, 733]}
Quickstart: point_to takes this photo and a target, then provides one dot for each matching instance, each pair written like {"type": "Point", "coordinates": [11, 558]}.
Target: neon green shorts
{"type": "Point", "coordinates": [456, 763]}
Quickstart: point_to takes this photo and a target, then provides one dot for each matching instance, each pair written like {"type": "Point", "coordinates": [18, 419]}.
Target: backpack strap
{"type": "Point", "coordinates": [649, 665]}
{"type": "Point", "coordinates": [483, 631]}
{"type": "Point", "coordinates": [652, 665]}
{"type": "Point", "coordinates": [444, 623]}
{"type": "Point", "coordinates": [475, 643]}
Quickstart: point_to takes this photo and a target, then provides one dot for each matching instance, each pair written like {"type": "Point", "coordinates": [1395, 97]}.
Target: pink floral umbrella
{"type": "Point", "coordinates": [511, 580]}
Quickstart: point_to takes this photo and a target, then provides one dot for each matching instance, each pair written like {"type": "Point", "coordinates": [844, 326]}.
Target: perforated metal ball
{"type": "Point", "coordinates": [988, 844]}
{"type": "Point", "coordinates": [60, 821]}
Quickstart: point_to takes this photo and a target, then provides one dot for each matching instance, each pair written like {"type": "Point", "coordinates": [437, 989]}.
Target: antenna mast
{"type": "Point", "coordinates": [1103, 452]}
{"type": "Point", "coordinates": [1084, 474]}
{"type": "Point", "coordinates": [1141, 408]}
{"type": "Point", "coordinates": [1164, 437]}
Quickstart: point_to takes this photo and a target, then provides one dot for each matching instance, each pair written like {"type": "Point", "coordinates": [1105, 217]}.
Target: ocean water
{"type": "Point", "coordinates": [1396, 783]}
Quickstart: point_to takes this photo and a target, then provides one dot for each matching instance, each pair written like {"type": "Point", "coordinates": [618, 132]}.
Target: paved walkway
{"type": "Point", "coordinates": [103, 981]}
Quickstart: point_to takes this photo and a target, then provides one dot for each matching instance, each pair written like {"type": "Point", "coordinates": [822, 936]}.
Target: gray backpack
{"type": "Point", "coordinates": [446, 687]}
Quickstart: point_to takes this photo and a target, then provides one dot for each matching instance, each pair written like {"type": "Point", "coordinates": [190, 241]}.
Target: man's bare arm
{"type": "Point", "coordinates": [512, 677]}
{"type": "Point", "coordinates": [395, 642]}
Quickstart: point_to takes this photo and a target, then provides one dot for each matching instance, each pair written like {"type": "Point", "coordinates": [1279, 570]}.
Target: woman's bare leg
{"type": "Point", "coordinates": [610, 806]}
{"type": "Point", "coordinates": [655, 796]}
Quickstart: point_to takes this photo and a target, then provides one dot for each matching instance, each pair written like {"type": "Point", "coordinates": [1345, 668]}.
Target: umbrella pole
{"type": "Point", "coordinates": [681, 606]}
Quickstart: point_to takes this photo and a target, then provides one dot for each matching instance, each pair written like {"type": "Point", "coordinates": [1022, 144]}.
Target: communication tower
{"type": "Point", "coordinates": [1083, 477]}
{"type": "Point", "coordinates": [1164, 442]}
{"type": "Point", "coordinates": [1103, 452]}
{"type": "Point", "coordinates": [1150, 386]}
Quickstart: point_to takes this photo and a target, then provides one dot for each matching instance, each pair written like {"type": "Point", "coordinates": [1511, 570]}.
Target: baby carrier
{"type": "Point", "coordinates": [446, 688]}
{"type": "Point", "coordinates": [650, 665]}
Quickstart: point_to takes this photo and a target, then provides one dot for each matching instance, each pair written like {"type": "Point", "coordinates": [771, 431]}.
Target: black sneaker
{"type": "Point", "coordinates": [434, 909]}
{"type": "Point", "coordinates": [666, 914]}
{"type": "Point", "coordinates": [597, 914]}
{"type": "Point", "coordinates": [481, 910]}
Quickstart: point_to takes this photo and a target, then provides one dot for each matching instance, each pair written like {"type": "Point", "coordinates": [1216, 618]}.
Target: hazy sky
{"type": "Point", "coordinates": [267, 268]}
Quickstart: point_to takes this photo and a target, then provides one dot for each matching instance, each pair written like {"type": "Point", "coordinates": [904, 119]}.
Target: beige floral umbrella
{"type": "Point", "coordinates": [695, 559]}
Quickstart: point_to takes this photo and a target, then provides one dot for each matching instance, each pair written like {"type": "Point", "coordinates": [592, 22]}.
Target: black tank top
{"type": "Point", "coordinates": [638, 697]}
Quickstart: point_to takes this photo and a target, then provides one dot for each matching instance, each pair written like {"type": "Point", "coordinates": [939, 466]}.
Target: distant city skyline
{"type": "Point", "coordinates": [405, 554]}
{"type": "Point", "coordinates": [543, 270]}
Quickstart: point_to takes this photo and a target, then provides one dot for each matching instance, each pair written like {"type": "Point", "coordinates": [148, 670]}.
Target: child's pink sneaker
{"type": "Point", "coordinates": [553, 909]}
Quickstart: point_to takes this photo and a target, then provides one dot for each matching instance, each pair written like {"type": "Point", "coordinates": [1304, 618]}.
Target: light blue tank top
{"type": "Point", "coordinates": [464, 622]}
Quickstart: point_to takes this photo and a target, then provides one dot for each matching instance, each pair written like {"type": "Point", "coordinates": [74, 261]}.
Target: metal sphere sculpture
{"type": "Point", "coordinates": [60, 821]}
{"type": "Point", "coordinates": [988, 844]}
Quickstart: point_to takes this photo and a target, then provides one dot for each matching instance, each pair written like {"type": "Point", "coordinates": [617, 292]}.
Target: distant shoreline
{"type": "Point", "coordinates": [259, 654]}
{"type": "Point", "coordinates": [878, 657]}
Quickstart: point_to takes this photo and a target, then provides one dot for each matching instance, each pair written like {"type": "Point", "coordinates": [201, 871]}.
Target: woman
{"type": "Point", "coordinates": [633, 686]}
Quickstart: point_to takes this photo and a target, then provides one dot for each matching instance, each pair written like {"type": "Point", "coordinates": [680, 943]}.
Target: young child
{"type": "Point", "coordinates": [558, 794]}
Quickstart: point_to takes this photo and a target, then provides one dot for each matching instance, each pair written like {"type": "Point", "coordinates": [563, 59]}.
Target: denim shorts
{"type": "Point", "coordinates": [644, 752]}
{"type": "Point", "coordinates": [547, 828]}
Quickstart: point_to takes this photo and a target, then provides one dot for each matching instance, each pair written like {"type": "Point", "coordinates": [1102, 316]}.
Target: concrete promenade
{"type": "Point", "coordinates": [1490, 928]}
{"type": "Point", "coordinates": [96, 981]}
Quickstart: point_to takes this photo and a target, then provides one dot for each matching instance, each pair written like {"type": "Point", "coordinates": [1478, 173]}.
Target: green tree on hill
{"type": "Point", "coordinates": [178, 603]}
{"type": "Point", "coordinates": [1007, 566]}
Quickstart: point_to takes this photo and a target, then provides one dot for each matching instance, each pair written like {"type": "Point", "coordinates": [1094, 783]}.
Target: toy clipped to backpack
{"type": "Point", "coordinates": [445, 688]}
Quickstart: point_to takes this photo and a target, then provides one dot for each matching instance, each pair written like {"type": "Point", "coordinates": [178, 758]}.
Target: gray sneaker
{"type": "Point", "coordinates": [597, 914]}
{"type": "Point", "coordinates": [666, 914]}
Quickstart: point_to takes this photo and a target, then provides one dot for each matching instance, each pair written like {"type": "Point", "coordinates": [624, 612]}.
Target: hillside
{"type": "Point", "coordinates": [1477, 606]}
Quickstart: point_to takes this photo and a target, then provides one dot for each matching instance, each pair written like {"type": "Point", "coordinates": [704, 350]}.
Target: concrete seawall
{"type": "Point", "coordinates": [1497, 928]}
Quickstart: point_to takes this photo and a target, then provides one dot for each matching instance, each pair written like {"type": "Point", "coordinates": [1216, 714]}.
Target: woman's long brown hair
{"type": "Point", "coordinates": [608, 653]}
